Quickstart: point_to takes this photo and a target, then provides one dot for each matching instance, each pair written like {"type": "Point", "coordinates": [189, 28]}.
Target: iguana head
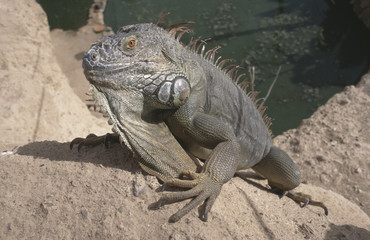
{"type": "Point", "coordinates": [143, 58]}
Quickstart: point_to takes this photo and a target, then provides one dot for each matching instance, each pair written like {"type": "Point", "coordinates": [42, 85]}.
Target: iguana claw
{"type": "Point", "coordinates": [93, 140]}
{"type": "Point", "coordinates": [305, 199]}
{"type": "Point", "coordinates": [203, 189]}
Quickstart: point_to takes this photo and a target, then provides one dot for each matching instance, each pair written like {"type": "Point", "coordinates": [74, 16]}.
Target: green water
{"type": "Point", "coordinates": [320, 47]}
{"type": "Point", "coordinates": [66, 14]}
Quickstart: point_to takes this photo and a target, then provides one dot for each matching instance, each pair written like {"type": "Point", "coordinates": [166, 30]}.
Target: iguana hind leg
{"type": "Point", "coordinates": [279, 169]}
{"type": "Point", "coordinates": [282, 173]}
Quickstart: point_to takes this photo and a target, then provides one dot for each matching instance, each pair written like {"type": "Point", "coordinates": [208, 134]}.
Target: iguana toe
{"type": "Point", "coordinates": [176, 182]}
{"type": "Point", "coordinates": [305, 199]}
{"type": "Point", "coordinates": [92, 140]}
{"type": "Point", "coordinates": [204, 190]}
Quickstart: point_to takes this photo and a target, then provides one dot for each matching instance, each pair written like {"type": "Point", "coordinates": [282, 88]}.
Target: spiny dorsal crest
{"type": "Point", "coordinates": [198, 46]}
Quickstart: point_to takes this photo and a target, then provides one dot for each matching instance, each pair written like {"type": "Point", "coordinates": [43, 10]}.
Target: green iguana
{"type": "Point", "coordinates": [170, 105]}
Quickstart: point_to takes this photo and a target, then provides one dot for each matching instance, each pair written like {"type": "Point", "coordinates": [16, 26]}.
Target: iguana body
{"type": "Point", "coordinates": [168, 104]}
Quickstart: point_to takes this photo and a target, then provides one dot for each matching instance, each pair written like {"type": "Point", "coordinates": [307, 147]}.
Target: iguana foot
{"type": "Point", "coordinates": [203, 189]}
{"type": "Point", "coordinates": [305, 199]}
{"type": "Point", "coordinates": [93, 140]}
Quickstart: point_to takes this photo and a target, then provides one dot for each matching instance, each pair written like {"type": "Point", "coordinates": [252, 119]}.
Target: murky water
{"type": "Point", "coordinates": [66, 14]}
{"type": "Point", "coordinates": [320, 47]}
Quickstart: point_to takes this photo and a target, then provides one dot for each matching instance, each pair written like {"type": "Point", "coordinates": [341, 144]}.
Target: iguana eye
{"type": "Point", "coordinates": [129, 43]}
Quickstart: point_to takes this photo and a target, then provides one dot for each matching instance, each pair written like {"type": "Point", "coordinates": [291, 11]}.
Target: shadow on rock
{"type": "Point", "coordinates": [114, 157]}
{"type": "Point", "coordinates": [347, 232]}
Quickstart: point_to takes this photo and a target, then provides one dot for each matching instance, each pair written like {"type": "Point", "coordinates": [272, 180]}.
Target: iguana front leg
{"type": "Point", "coordinates": [92, 140]}
{"type": "Point", "coordinates": [218, 168]}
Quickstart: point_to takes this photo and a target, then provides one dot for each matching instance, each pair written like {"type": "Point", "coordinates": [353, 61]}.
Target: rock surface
{"type": "Point", "coordinates": [332, 147]}
{"type": "Point", "coordinates": [50, 192]}
{"type": "Point", "coordinates": [37, 101]}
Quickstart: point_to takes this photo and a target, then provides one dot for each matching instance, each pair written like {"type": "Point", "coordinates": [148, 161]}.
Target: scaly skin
{"type": "Point", "coordinates": [166, 102]}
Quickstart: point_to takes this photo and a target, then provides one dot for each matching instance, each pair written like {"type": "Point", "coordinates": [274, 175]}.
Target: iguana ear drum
{"type": "Point", "coordinates": [180, 91]}
{"type": "Point", "coordinates": [174, 93]}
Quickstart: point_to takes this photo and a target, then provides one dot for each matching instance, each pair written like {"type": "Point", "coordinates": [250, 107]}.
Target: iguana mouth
{"type": "Point", "coordinates": [100, 72]}
{"type": "Point", "coordinates": [95, 68]}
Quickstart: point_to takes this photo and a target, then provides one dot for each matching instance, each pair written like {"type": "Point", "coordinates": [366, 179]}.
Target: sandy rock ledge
{"type": "Point", "coordinates": [37, 102]}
